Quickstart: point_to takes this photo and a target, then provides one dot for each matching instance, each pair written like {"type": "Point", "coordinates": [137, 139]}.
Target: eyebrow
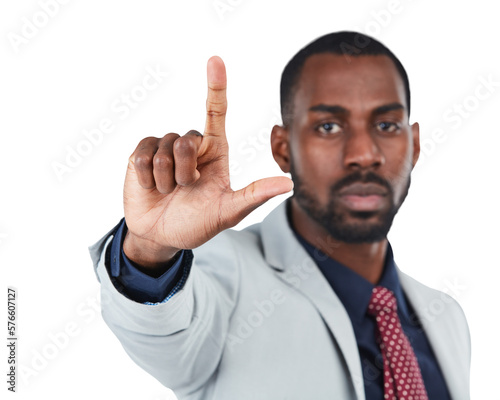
{"type": "Point", "coordinates": [329, 109]}
{"type": "Point", "coordinates": [334, 109]}
{"type": "Point", "coordinates": [387, 107]}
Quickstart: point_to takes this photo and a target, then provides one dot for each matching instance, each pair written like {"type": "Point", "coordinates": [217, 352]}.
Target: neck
{"type": "Point", "coordinates": [366, 259]}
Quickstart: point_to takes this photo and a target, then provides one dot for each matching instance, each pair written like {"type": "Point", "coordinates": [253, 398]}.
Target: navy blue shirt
{"type": "Point", "coordinates": [353, 290]}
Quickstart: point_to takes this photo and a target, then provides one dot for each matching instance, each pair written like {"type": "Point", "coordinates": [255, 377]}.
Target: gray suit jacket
{"type": "Point", "coordinates": [256, 319]}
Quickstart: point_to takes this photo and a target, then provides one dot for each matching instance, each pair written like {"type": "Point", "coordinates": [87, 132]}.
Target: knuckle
{"type": "Point", "coordinates": [143, 161]}
{"type": "Point", "coordinates": [215, 114]}
{"type": "Point", "coordinates": [163, 162]}
{"type": "Point", "coordinates": [171, 136]}
{"type": "Point", "coordinates": [216, 107]}
{"type": "Point", "coordinates": [217, 87]}
{"type": "Point", "coordinates": [147, 141]}
{"type": "Point", "coordinates": [185, 145]}
{"type": "Point", "coordinates": [217, 103]}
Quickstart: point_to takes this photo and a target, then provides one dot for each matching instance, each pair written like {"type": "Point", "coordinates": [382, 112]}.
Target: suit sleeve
{"type": "Point", "coordinates": [137, 285]}
{"type": "Point", "coordinates": [180, 341]}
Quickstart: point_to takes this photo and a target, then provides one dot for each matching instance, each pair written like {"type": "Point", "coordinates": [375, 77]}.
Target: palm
{"type": "Point", "coordinates": [151, 214]}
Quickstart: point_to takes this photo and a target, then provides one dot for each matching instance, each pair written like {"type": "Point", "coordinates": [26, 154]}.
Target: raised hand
{"type": "Point", "coordinates": [177, 193]}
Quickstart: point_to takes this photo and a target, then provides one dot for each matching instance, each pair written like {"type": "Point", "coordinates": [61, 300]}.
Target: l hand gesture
{"type": "Point", "coordinates": [177, 193]}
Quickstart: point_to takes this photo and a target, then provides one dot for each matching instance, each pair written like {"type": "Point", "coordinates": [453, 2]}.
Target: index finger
{"type": "Point", "coordinates": [216, 99]}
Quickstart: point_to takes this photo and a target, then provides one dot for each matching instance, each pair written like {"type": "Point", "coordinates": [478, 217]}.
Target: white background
{"type": "Point", "coordinates": [63, 78]}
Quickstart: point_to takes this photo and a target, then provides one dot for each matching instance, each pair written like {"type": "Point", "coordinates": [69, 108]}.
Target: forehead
{"type": "Point", "coordinates": [363, 82]}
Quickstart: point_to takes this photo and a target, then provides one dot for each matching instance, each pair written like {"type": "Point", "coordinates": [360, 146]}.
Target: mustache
{"type": "Point", "coordinates": [359, 177]}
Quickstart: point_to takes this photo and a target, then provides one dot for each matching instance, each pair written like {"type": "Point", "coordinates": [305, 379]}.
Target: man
{"type": "Point", "coordinates": [308, 304]}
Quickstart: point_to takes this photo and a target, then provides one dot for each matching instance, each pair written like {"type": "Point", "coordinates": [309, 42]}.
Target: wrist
{"type": "Point", "coordinates": [146, 253]}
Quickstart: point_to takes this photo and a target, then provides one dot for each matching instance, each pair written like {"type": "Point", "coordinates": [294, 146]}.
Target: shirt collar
{"type": "Point", "coordinates": [353, 290]}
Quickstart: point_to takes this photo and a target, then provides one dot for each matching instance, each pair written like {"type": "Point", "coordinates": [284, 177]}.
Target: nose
{"type": "Point", "coordinates": [361, 151]}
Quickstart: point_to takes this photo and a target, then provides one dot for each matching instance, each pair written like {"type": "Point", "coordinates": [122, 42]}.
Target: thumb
{"type": "Point", "coordinates": [254, 195]}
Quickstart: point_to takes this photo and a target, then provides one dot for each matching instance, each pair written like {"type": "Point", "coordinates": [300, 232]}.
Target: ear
{"type": "Point", "coordinates": [280, 147]}
{"type": "Point", "coordinates": [415, 129]}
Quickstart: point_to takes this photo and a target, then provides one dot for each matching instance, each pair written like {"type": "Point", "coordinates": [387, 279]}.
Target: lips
{"type": "Point", "coordinates": [363, 196]}
{"type": "Point", "coordinates": [363, 189]}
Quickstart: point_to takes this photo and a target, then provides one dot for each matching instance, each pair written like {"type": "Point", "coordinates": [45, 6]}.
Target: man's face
{"type": "Point", "coordinates": [350, 147]}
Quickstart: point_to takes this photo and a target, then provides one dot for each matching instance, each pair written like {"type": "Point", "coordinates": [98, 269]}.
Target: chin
{"type": "Point", "coordinates": [359, 226]}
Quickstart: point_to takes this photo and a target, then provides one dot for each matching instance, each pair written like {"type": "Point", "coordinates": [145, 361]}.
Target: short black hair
{"type": "Point", "coordinates": [346, 43]}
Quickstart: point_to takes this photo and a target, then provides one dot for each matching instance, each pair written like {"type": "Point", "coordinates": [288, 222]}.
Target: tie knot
{"type": "Point", "coordinates": [382, 300]}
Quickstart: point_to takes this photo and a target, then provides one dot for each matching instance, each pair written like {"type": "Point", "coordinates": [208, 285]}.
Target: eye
{"type": "Point", "coordinates": [389, 127]}
{"type": "Point", "coordinates": [328, 128]}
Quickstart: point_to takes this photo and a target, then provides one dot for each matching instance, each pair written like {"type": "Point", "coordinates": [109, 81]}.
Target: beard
{"type": "Point", "coordinates": [346, 225]}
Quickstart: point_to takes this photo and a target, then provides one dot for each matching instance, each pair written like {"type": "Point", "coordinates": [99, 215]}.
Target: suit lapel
{"type": "Point", "coordinates": [296, 268]}
{"type": "Point", "coordinates": [429, 305]}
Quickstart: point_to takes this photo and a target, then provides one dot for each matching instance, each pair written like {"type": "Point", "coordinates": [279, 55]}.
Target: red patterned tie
{"type": "Point", "coordinates": [402, 377]}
